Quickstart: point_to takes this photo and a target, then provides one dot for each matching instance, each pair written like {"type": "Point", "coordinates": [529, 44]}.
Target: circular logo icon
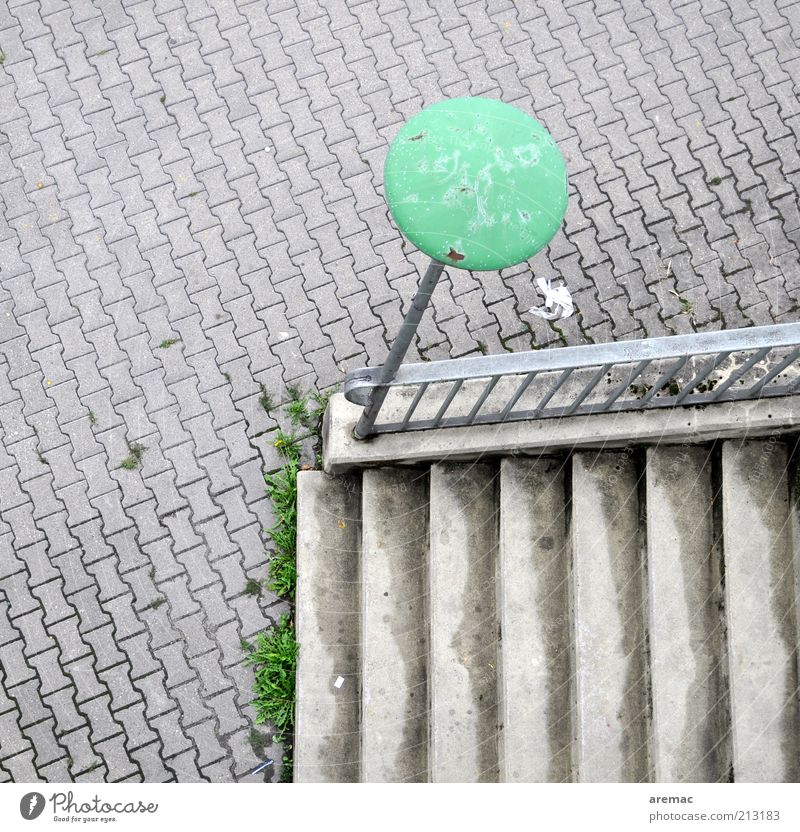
{"type": "Point", "coordinates": [31, 805]}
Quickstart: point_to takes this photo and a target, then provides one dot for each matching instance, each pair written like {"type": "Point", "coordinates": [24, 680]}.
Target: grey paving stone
{"type": "Point", "coordinates": [29, 704]}
{"type": "Point", "coordinates": [191, 703]}
{"type": "Point", "coordinates": [150, 761]}
{"type": "Point", "coordinates": [120, 687]}
{"type": "Point", "coordinates": [17, 669]}
{"type": "Point", "coordinates": [100, 719]}
{"type": "Point", "coordinates": [156, 697]}
{"type": "Point", "coordinates": [81, 756]}
{"type": "Point", "coordinates": [22, 769]}
{"type": "Point", "coordinates": [116, 759]}
{"type": "Point", "coordinates": [50, 673]}
{"type": "Point", "coordinates": [172, 734]}
{"type": "Point", "coordinates": [34, 635]}
{"type": "Point", "coordinates": [62, 705]}
{"type": "Point", "coordinates": [175, 664]}
{"type": "Point", "coordinates": [83, 673]}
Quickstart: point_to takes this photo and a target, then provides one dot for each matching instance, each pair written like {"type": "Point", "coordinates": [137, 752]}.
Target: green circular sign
{"type": "Point", "coordinates": [476, 183]}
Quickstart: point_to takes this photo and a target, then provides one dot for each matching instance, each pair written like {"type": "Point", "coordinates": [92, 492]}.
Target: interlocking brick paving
{"type": "Point", "coordinates": [211, 172]}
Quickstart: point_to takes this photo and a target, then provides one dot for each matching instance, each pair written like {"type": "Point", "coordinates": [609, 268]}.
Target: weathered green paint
{"type": "Point", "coordinates": [476, 183]}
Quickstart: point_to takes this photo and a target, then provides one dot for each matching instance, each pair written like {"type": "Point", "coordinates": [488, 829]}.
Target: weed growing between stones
{"type": "Point", "coordinates": [274, 654]}
{"type": "Point", "coordinates": [265, 400]}
{"type": "Point", "coordinates": [252, 588]}
{"type": "Point", "coordinates": [282, 492]}
{"type": "Point", "coordinates": [274, 659]}
{"type": "Point", "coordinates": [131, 462]}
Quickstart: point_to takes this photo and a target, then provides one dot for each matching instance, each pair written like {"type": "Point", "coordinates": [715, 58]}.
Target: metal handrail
{"type": "Point", "coordinates": [764, 342]}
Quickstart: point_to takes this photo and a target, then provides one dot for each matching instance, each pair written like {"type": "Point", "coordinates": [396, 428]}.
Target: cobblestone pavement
{"type": "Point", "coordinates": [211, 172]}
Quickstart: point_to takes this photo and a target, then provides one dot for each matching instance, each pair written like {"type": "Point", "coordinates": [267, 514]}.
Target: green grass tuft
{"type": "Point", "coordinates": [274, 660]}
{"type": "Point", "coordinates": [287, 770]}
{"type": "Point", "coordinates": [307, 412]}
{"type": "Point", "coordinates": [252, 587]}
{"type": "Point", "coordinates": [265, 400]}
{"type": "Point", "coordinates": [168, 342]}
{"type": "Point", "coordinates": [258, 742]}
{"type": "Point", "coordinates": [282, 491]}
{"type": "Point", "coordinates": [297, 411]}
{"type": "Point", "coordinates": [294, 393]}
{"type": "Point", "coordinates": [133, 459]}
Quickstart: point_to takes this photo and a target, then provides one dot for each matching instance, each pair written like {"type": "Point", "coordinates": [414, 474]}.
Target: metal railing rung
{"type": "Point", "coordinates": [413, 406]}
{"type": "Point", "coordinates": [524, 384]}
{"type": "Point", "coordinates": [734, 377]}
{"type": "Point", "coordinates": [485, 395]}
{"type": "Point", "coordinates": [663, 379]}
{"type": "Point", "coordinates": [553, 390]}
{"type": "Point", "coordinates": [632, 376]}
{"type": "Point", "coordinates": [704, 373]}
{"type": "Point", "coordinates": [446, 403]}
{"type": "Point", "coordinates": [588, 389]}
{"type": "Point", "coordinates": [756, 389]}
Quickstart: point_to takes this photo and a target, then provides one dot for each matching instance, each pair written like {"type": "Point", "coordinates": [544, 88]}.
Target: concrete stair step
{"type": "Point", "coordinates": [609, 608]}
{"type": "Point", "coordinates": [533, 601]}
{"type": "Point", "coordinates": [761, 613]}
{"type": "Point", "coordinates": [327, 622]}
{"type": "Point", "coordinates": [463, 644]}
{"type": "Point", "coordinates": [691, 725]}
{"type": "Point", "coordinates": [394, 620]}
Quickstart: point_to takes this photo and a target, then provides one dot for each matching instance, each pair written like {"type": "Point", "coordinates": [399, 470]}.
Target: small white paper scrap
{"type": "Point", "coordinates": [339, 681]}
{"type": "Point", "coordinates": [557, 301]}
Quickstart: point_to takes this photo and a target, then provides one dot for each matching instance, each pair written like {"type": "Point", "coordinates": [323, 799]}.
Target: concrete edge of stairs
{"type": "Point", "coordinates": [746, 419]}
{"type": "Point", "coordinates": [328, 688]}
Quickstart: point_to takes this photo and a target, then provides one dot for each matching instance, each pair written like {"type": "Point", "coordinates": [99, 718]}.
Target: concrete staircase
{"type": "Point", "coordinates": [622, 615]}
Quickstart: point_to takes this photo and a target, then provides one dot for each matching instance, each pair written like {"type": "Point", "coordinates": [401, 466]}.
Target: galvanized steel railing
{"type": "Point", "coordinates": [696, 369]}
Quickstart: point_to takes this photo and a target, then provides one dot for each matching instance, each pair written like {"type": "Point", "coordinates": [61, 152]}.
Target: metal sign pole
{"type": "Point", "coordinates": [400, 347]}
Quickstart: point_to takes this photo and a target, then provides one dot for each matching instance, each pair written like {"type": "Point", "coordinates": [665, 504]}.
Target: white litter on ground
{"type": "Point", "coordinates": [557, 301]}
{"type": "Point", "coordinates": [339, 682]}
